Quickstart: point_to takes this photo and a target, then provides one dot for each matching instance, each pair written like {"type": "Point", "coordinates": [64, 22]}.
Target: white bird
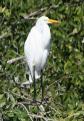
{"type": "Point", "coordinates": [36, 47]}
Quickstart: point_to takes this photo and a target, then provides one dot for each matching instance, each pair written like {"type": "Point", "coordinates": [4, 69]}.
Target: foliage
{"type": "Point", "coordinates": [64, 73]}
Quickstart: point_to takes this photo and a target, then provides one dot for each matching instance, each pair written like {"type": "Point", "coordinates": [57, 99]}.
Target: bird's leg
{"type": "Point", "coordinates": [42, 87]}
{"type": "Point", "coordinates": [34, 83]}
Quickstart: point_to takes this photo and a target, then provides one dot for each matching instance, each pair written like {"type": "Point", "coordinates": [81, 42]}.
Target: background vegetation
{"type": "Point", "coordinates": [64, 73]}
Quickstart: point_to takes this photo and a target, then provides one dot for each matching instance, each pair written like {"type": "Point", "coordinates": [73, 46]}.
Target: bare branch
{"type": "Point", "coordinates": [15, 59]}
{"type": "Point", "coordinates": [34, 115]}
{"type": "Point", "coordinates": [31, 15]}
{"type": "Point", "coordinates": [35, 13]}
{"type": "Point", "coordinates": [26, 110]}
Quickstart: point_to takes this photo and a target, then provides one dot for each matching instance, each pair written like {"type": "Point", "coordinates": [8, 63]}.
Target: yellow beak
{"type": "Point", "coordinates": [51, 21]}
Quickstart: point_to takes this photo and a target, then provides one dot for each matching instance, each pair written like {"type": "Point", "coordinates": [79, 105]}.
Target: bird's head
{"type": "Point", "coordinates": [45, 19]}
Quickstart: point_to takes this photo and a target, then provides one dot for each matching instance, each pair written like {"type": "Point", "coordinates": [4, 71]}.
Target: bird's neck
{"type": "Point", "coordinates": [44, 29]}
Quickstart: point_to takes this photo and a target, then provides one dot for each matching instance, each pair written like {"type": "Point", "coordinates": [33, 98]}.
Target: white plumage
{"type": "Point", "coordinates": [37, 46]}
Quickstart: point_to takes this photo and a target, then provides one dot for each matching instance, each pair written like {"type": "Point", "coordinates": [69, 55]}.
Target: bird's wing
{"type": "Point", "coordinates": [32, 48]}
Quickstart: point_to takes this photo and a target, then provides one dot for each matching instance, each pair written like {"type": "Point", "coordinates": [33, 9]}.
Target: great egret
{"type": "Point", "coordinates": [36, 49]}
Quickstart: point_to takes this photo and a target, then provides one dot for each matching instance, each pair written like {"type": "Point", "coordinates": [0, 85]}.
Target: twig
{"type": "Point", "coordinates": [57, 81]}
{"type": "Point", "coordinates": [18, 95]}
{"type": "Point", "coordinates": [34, 115]}
{"type": "Point", "coordinates": [15, 59]}
{"type": "Point", "coordinates": [55, 6]}
{"type": "Point", "coordinates": [26, 110]}
{"type": "Point", "coordinates": [33, 103]}
{"type": "Point", "coordinates": [47, 8]}
{"type": "Point", "coordinates": [31, 15]}
{"type": "Point", "coordinates": [29, 100]}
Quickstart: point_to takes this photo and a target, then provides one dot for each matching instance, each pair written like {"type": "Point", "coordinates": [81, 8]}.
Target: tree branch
{"type": "Point", "coordinates": [34, 115]}
{"type": "Point", "coordinates": [15, 59]}
{"type": "Point", "coordinates": [35, 13]}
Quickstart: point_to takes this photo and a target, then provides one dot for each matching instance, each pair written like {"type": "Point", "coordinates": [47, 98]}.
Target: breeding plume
{"type": "Point", "coordinates": [37, 47]}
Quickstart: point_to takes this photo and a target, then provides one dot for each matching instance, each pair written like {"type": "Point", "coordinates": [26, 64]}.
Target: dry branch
{"type": "Point", "coordinates": [34, 115]}
{"type": "Point", "coordinates": [15, 59]}
{"type": "Point", "coordinates": [32, 14]}
{"type": "Point", "coordinates": [35, 13]}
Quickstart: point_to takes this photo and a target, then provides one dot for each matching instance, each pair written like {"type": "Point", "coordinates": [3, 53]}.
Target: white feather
{"type": "Point", "coordinates": [37, 46]}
